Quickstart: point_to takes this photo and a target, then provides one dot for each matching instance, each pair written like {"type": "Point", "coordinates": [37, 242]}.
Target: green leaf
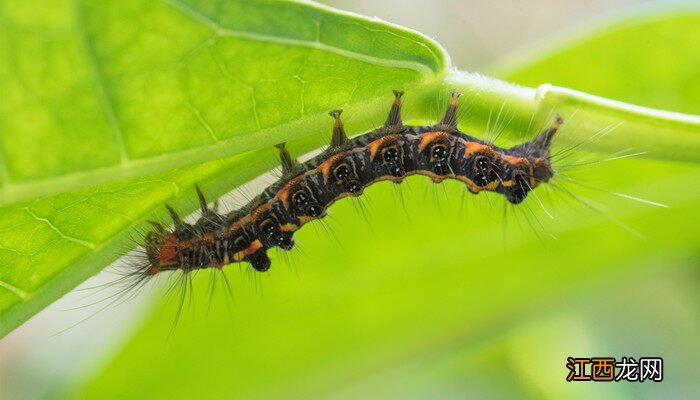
{"type": "Point", "coordinates": [409, 304]}
{"type": "Point", "coordinates": [103, 91]}
{"type": "Point", "coordinates": [106, 91]}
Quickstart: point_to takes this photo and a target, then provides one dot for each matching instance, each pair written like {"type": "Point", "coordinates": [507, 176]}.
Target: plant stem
{"type": "Point", "coordinates": [604, 125]}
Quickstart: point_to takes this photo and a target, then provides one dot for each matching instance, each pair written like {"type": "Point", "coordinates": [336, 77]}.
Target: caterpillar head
{"type": "Point", "coordinates": [162, 252]}
{"type": "Point", "coordinates": [539, 168]}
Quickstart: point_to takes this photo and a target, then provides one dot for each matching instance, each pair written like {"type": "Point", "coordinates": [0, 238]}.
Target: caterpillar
{"type": "Point", "coordinates": [306, 190]}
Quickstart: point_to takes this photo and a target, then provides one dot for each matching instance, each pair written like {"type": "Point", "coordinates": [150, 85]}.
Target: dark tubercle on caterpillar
{"type": "Point", "coordinates": [306, 190]}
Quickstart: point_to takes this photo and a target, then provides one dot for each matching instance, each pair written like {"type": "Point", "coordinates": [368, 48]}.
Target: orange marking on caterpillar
{"type": "Point", "coordinates": [430, 137]}
{"type": "Point", "coordinates": [288, 227]}
{"type": "Point", "coordinates": [208, 238]}
{"type": "Point", "coordinates": [470, 184]}
{"type": "Point", "coordinates": [474, 188]}
{"type": "Point", "coordinates": [519, 161]}
{"type": "Point", "coordinates": [238, 224]}
{"type": "Point", "coordinates": [473, 147]}
{"type": "Point", "coordinates": [168, 250]}
{"type": "Point", "coordinates": [375, 145]}
{"type": "Point", "coordinates": [250, 217]}
{"type": "Point", "coordinates": [225, 261]}
{"type": "Point", "coordinates": [260, 210]}
{"type": "Point", "coordinates": [283, 194]}
{"type": "Point", "coordinates": [250, 250]}
{"type": "Point", "coordinates": [325, 166]}
{"type": "Point", "coordinates": [304, 219]}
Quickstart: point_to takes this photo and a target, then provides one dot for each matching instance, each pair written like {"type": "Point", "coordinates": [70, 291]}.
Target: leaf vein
{"type": "Point", "coordinates": [14, 289]}
{"type": "Point", "coordinates": [55, 229]}
{"type": "Point", "coordinates": [200, 118]}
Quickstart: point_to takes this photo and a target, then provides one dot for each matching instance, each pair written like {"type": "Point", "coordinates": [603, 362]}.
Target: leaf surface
{"type": "Point", "coordinates": [103, 91]}
{"type": "Point", "coordinates": [108, 90]}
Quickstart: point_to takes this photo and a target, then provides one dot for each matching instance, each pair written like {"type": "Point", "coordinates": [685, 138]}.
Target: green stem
{"type": "Point", "coordinates": [605, 125]}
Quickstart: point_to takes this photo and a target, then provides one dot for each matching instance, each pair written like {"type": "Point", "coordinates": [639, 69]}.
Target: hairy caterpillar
{"type": "Point", "coordinates": [345, 168]}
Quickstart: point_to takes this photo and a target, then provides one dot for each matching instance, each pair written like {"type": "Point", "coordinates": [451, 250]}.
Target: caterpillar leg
{"type": "Point", "coordinates": [259, 260]}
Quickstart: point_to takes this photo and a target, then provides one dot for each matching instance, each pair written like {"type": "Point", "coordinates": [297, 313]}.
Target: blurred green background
{"type": "Point", "coordinates": [432, 292]}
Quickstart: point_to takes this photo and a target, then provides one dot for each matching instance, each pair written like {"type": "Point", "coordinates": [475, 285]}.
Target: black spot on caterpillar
{"type": "Point", "coordinates": [306, 190]}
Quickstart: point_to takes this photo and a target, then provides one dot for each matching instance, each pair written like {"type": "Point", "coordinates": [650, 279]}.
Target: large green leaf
{"type": "Point", "coordinates": [432, 301]}
{"type": "Point", "coordinates": [102, 91]}
{"type": "Point", "coordinates": [106, 90]}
